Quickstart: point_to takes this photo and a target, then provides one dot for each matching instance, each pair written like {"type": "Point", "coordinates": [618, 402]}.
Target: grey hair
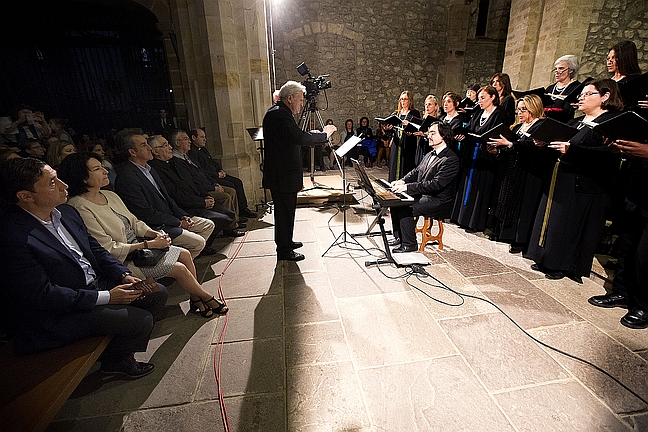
{"type": "Point", "coordinates": [291, 88]}
{"type": "Point", "coordinates": [572, 63]}
{"type": "Point", "coordinates": [152, 140]}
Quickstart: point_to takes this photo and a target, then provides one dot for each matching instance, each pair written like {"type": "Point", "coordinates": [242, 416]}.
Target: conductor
{"type": "Point", "coordinates": [282, 172]}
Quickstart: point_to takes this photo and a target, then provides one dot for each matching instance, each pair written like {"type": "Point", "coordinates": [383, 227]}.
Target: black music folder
{"type": "Point", "coordinates": [466, 103]}
{"type": "Point", "coordinates": [393, 120]}
{"type": "Point", "coordinates": [552, 130]}
{"type": "Point", "coordinates": [494, 133]}
{"type": "Point", "coordinates": [413, 125]}
{"type": "Point", "coordinates": [427, 122]}
{"type": "Point", "coordinates": [634, 90]}
{"type": "Point", "coordinates": [628, 126]}
{"type": "Point", "coordinates": [256, 133]}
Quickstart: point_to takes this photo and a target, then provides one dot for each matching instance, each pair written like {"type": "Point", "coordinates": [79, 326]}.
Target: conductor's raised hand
{"type": "Point", "coordinates": [329, 129]}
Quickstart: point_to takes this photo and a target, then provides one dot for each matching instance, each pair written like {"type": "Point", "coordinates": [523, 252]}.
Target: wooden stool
{"type": "Point", "coordinates": [426, 233]}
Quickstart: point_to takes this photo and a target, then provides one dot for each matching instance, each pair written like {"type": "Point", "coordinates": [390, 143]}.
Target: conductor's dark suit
{"type": "Point", "coordinates": [282, 172]}
{"type": "Point", "coordinates": [431, 183]}
{"type": "Point", "coordinates": [45, 290]}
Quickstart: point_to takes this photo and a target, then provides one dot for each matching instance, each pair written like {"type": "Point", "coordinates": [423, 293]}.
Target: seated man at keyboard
{"type": "Point", "coordinates": [431, 183]}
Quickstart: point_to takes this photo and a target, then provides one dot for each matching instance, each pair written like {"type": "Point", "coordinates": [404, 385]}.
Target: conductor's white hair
{"type": "Point", "coordinates": [291, 88]}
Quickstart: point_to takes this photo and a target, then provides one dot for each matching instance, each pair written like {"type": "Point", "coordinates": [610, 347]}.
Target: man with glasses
{"type": "Point", "coordinates": [32, 148]}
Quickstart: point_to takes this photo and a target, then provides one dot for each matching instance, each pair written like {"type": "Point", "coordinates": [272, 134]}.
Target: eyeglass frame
{"type": "Point", "coordinates": [588, 94]}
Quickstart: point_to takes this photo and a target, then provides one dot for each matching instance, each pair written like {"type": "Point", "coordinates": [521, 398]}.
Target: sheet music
{"type": "Point", "coordinates": [348, 145]}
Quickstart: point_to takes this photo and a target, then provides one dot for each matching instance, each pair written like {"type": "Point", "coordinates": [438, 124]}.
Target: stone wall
{"type": "Point", "coordinates": [374, 50]}
{"type": "Point", "coordinates": [617, 20]}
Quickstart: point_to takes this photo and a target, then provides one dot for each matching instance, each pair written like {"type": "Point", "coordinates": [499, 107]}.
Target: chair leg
{"type": "Point", "coordinates": [426, 234]}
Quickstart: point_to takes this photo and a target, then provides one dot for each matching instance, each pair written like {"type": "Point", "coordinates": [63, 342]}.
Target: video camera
{"type": "Point", "coordinates": [313, 85]}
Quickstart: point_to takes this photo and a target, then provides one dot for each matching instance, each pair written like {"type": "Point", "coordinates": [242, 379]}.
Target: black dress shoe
{"type": "Point", "coordinates": [609, 301]}
{"type": "Point", "coordinates": [242, 219]}
{"type": "Point", "coordinates": [404, 249]}
{"type": "Point", "coordinates": [394, 242]}
{"type": "Point", "coordinates": [292, 256]}
{"type": "Point", "coordinates": [515, 249]}
{"type": "Point", "coordinates": [637, 318]}
{"type": "Point", "coordinates": [128, 368]}
{"type": "Point", "coordinates": [296, 245]}
{"type": "Point", "coordinates": [207, 251]}
{"type": "Point", "coordinates": [247, 213]}
{"type": "Point", "coordinates": [233, 233]}
{"type": "Point", "coordinates": [537, 267]}
{"type": "Point", "coordinates": [555, 275]}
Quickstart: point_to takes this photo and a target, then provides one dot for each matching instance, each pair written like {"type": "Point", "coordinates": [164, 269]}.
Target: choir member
{"type": "Point", "coordinates": [565, 69]}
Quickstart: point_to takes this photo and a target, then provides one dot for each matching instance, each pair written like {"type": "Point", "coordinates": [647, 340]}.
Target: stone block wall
{"type": "Point", "coordinates": [617, 20]}
{"type": "Point", "coordinates": [374, 50]}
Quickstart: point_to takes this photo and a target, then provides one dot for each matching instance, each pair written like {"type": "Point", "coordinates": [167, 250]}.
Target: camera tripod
{"type": "Point", "coordinates": [311, 119]}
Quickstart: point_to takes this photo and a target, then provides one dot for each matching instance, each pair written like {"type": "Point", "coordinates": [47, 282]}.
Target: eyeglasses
{"type": "Point", "coordinates": [559, 70]}
{"type": "Point", "coordinates": [521, 110]}
{"type": "Point", "coordinates": [587, 94]}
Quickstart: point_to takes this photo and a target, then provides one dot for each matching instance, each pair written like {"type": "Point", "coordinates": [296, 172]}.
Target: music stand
{"type": "Point", "coordinates": [256, 133]}
{"type": "Point", "coordinates": [342, 238]}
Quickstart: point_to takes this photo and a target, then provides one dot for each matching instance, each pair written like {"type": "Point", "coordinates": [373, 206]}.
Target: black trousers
{"type": "Point", "coordinates": [285, 205]}
{"type": "Point", "coordinates": [403, 224]}
{"type": "Point", "coordinates": [631, 278]}
{"type": "Point", "coordinates": [130, 325]}
{"type": "Point", "coordinates": [237, 184]}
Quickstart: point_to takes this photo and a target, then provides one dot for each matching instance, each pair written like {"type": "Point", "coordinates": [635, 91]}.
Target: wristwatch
{"type": "Point", "coordinates": [123, 275]}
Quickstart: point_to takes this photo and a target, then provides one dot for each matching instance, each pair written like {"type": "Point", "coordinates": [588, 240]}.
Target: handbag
{"type": "Point", "coordinates": [147, 257]}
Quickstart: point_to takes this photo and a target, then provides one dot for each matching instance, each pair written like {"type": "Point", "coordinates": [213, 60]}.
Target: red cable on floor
{"type": "Point", "coordinates": [218, 353]}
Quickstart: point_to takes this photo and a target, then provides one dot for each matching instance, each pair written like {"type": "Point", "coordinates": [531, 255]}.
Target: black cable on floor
{"type": "Point", "coordinates": [420, 271]}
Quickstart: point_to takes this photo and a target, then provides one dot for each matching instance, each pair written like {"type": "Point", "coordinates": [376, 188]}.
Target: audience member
{"type": "Point", "coordinates": [121, 233]}
{"type": "Point", "coordinates": [22, 124]}
{"type": "Point", "coordinates": [144, 193]}
{"type": "Point", "coordinates": [57, 151]}
{"type": "Point", "coordinates": [32, 147]}
{"type": "Point", "coordinates": [200, 155]}
{"type": "Point", "coordinates": [72, 287]}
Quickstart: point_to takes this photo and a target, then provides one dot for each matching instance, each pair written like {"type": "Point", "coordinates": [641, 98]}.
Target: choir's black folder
{"type": "Point", "coordinates": [628, 126]}
{"type": "Point", "coordinates": [553, 130]}
{"type": "Point", "coordinates": [495, 133]}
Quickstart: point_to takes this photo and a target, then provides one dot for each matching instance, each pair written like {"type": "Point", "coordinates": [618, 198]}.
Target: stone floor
{"type": "Point", "coordinates": [328, 344]}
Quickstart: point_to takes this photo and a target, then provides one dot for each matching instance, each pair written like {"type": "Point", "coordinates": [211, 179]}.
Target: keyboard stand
{"type": "Point", "coordinates": [380, 220]}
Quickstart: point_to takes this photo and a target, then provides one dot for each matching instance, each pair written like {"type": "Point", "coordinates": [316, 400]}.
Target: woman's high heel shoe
{"type": "Point", "coordinates": [200, 307]}
{"type": "Point", "coordinates": [221, 308]}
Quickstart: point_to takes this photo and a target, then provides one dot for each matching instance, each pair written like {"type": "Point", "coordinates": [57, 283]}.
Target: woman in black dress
{"type": "Point", "coordinates": [348, 133]}
{"type": "Point", "coordinates": [430, 116]}
{"type": "Point", "coordinates": [452, 117]}
{"type": "Point", "coordinates": [502, 84]}
{"type": "Point", "coordinates": [476, 180]}
{"type": "Point", "coordinates": [403, 151]}
{"type": "Point", "coordinates": [565, 69]}
{"type": "Point", "coordinates": [571, 215]}
{"type": "Point", "coordinates": [521, 187]}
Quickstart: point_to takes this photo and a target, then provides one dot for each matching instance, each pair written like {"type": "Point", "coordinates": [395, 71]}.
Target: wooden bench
{"type": "Point", "coordinates": [426, 233]}
{"type": "Point", "coordinates": [35, 387]}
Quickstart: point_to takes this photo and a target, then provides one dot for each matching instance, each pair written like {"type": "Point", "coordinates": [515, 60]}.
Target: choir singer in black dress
{"type": "Point", "coordinates": [431, 183]}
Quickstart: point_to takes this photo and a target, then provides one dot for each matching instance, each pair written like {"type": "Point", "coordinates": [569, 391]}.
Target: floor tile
{"type": "Point", "coordinates": [564, 406]}
{"type": "Point", "coordinates": [499, 353]}
{"type": "Point", "coordinates": [433, 395]}
{"type": "Point", "coordinates": [308, 298]}
{"type": "Point", "coordinates": [316, 343]}
{"type": "Point", "coordinates": [391, 328]}
{"type": "Point", "coordinates": [252, 318]}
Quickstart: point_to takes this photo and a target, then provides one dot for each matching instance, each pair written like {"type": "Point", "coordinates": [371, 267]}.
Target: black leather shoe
{"type": "Point", "coordinates": [207, 251]}
{"type": "Point", "coordinates": [555, 275]}
{"type": "Point", "coordinates": [296, 245]}
{"type": "Point", "coordinates": [609, 301]}
{"type": "Point", "coordinates": [233, 233]}
{"type": "Point", "coordinates": [292, 256]}
{"type": "Point", "coordinates": [403, 249]}
{"type": "Point", "coordinates": [536, 267]}
{"type": "Point", "coordinates": [394, 242]}
{"type": "Point", "coordinates": [242, 219]}
{"type": "Point", "coordinates": [128, 368]}
{"type": "Point", "coordinates": [247, 213]}
{"type": "Point", "coordinates": [637, 318]}
{"type": "Point", "coordinates": [515, 249]}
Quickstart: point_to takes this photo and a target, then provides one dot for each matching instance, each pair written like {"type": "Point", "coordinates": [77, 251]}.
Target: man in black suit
{"type": "Point", "coordinates": [145, 195]}
{"type": "Point", "coordinates": [431, 183]}
{"type": "Point", "coordinates": [212, 169]}
{"type": "Point", "coordinates": [164, 124]}
{"type": "Point", "coordinates": [59, 284]}
{"type": "Point", "coordinates": [282, 172]}
{"type": "Point", "coordinates": [185, 192]}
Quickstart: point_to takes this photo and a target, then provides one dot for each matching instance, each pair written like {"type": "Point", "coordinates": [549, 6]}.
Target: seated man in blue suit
{"type": "Point", "coordinates": [59, 284]}
{"type": "Point", "coordinates": [431, 183]}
